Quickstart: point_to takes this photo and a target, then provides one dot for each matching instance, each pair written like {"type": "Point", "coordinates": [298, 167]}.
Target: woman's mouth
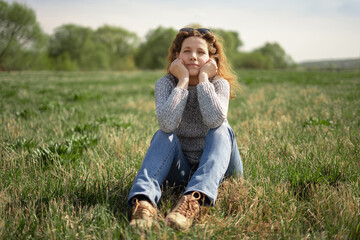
{"type": "Point", "coordinates": [192, 65]}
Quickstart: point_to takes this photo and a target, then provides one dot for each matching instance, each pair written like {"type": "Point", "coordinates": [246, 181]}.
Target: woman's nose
{"type": "Point", "coordinates": [193, 56]}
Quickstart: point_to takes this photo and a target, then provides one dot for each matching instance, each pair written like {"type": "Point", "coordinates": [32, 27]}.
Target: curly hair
{"type": "Point", "coordinates": [216, 52]}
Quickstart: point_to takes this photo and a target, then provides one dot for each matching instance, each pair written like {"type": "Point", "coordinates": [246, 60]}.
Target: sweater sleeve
{"type": "Point", "coordinates": [170, 103]}
{"type": "Point", "coordinates": [213, 99]}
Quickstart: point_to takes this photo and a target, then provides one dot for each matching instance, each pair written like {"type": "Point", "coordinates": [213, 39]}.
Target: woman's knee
{"type": "Point", "coordinates": [224, 130]}
{"type": "Point", "coordinates": [162, 136]}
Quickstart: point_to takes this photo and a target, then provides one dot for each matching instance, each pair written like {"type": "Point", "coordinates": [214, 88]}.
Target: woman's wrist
{"type": "Point", "coordinates": [183, 83]}
{"type": "Point", "coordinates": [203, 77]}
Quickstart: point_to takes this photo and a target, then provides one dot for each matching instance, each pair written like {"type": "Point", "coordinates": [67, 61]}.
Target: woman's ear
{"type": "Point", "coordinates": [177, 55]}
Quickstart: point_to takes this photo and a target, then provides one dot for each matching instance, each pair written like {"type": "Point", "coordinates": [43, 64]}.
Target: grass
{"type": "Point", "coordinates": [72, 143]}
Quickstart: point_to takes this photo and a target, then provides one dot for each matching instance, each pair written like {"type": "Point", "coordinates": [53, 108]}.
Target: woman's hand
{"type": "Point", "coordinates": [207, 71]}
{"type": "Point", "coordinates": [178, 69]}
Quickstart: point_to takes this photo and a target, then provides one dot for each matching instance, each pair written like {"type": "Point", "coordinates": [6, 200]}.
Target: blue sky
{"type": "Point", "coordinates": [306, 29]}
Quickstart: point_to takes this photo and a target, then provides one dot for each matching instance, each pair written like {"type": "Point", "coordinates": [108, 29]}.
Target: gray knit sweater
{"type": "Point", "coordinates": [191, 113]}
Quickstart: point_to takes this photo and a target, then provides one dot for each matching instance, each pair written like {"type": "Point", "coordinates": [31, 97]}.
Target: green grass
{"type": "Point", "coordinates": [72, 143]}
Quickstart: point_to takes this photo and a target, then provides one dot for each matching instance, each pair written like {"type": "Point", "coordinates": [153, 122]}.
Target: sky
{"type": "Point", "coordinates": [308, 30]}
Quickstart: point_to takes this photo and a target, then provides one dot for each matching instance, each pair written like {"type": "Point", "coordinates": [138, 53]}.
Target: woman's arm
{"type": "Point", "coordinates": [170, 103]}
{"type": "Point", "coordinates": [213, 100]}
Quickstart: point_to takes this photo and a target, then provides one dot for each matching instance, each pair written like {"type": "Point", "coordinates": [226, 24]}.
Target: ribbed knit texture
{"type": "Point", "coordinates": [191, 113]}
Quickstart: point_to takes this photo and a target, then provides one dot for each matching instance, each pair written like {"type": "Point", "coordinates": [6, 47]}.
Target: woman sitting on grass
{"type": "Point", "coordinates": [195, 146]}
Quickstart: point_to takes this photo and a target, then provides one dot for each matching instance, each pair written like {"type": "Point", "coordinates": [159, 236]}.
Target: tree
{"type": "Point", "coordinates": [231, 42]}
{"type": "Point", "coordinates": [119, 45]}
{"type": "Point", "coordinates": [72, 47]}
{"type": "Point", "coordinates": [254, 60]}
{"type": "Point", "coordinates": [276, 54]}
{"type": "Point", "coordinates": [20, 34]}
{"type": "Point", "coordinates": [152, 53]}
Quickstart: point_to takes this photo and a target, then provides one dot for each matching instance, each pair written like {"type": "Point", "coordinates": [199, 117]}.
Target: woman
{"type": "Point", "coordinates": [195, 146]}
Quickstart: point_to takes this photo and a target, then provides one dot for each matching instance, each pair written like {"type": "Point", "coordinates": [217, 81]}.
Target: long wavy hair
{"type": "Point", "coordinates": [216, 52]}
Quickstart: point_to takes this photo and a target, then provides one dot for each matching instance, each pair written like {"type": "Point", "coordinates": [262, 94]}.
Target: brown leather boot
{"type": "Point", "coordinates": [182, 216]}
{"type": "Point", "coordinates": [143, 214]}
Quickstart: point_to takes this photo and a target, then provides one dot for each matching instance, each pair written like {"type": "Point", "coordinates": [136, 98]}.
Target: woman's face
{"type": "Point", "coordinates": [194, 53]}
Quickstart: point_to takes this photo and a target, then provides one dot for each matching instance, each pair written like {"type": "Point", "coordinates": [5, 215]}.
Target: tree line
{"type": "Point", "coordinates": [24, 46]}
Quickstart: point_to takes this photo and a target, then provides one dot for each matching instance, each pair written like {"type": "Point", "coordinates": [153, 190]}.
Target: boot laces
{"type": "Point", "coordinates": [189, 205]}
{"type": "Point", "coordinates": [141, 210]}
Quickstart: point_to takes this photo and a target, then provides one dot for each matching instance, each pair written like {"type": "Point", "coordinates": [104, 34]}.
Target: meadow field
{"type": "Point", "coordinates": [71, 144]}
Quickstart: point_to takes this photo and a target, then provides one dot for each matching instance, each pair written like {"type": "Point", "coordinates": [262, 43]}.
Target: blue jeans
{"type": "Point", "coordinates": [165, 161]}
